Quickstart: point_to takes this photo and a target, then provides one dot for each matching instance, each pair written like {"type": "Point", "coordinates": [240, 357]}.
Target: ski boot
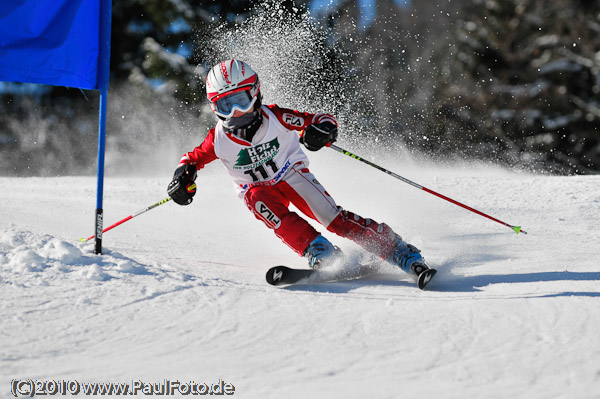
{"type": "Point", "coordinates": [321, 253]}
{"type": "Point", "coordinates": [409, 259]}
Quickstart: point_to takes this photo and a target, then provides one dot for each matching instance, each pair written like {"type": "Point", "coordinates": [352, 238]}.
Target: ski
{"type": "Point", "coordinates": [283, 275]}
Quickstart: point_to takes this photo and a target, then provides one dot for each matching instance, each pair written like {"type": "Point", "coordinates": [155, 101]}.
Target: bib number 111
{"type": "Point", "coordinates": [262, 170]}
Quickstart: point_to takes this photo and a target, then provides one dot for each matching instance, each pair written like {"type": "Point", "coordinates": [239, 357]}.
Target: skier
{"type": "Point", "coordinates": [261, 151]}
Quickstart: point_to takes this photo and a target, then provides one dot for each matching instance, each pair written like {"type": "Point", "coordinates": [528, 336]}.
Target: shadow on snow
{"type": "Point", "coordinates": [445, 282]}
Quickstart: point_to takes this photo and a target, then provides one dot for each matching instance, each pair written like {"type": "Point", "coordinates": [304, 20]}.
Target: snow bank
{"type": "Point", "coordinates": [23, 252]}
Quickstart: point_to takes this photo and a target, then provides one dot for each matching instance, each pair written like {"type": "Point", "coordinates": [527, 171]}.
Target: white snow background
{"type": "Point", "coordinates": [180, 292]}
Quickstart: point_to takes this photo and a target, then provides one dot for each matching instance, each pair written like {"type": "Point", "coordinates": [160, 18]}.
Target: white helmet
{"type": "Point", "coordinates": [232, 85]}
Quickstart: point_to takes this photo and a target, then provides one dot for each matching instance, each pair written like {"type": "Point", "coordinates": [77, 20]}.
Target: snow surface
{"type": "Point", "coordinates": [180, 292]}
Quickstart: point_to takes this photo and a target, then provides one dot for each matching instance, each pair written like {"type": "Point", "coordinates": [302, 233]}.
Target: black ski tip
{"type": "Point", "coordinates": [425, 277]}
{"type": "Point", "coordinates": [275, 274]}
{"type": "Point", "coordinates": [281, 275]}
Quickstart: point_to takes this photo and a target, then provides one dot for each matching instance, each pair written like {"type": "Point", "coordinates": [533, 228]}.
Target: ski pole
{"type": "Point", "coordinates": [129, 218]}
{"type": "Point", "coordinates": [517, 229]}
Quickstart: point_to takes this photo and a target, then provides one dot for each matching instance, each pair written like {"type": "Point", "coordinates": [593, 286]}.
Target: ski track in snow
{"type": "Point", "coordinates": [180, 293]}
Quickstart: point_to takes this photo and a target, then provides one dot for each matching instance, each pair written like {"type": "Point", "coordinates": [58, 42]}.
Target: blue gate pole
{"type": "Point", "coordinates": [100, 184]}
{"type": "Point", "coordinates": [103, 77]}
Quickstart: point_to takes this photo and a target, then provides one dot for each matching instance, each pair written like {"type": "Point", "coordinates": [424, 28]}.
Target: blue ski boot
{"type": "Point", "coordinates": [409, 259]}
{"type": "Point", "coordinates": [321, 253]}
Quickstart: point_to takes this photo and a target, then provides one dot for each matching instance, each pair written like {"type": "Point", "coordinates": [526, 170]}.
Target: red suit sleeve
{"type": "Point", "coordinates": [203, 154]}
{"type": "Point", "coordinates": [297, 120]}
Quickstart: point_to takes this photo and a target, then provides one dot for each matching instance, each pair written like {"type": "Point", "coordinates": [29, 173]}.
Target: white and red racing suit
{"type": "Point", "coordinates": [271, 171]}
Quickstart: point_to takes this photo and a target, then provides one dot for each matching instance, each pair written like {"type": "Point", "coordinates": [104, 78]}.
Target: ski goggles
{"type": "Point", "coordinates": [240, 100]}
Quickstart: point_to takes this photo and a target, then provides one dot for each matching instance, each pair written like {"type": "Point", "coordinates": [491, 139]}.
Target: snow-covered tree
{"type": "Point", "coordinates": [523, 83]}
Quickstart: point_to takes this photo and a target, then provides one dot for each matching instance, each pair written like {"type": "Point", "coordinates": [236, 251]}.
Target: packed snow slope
{"type": "Point", "coordinates": [180, 292]}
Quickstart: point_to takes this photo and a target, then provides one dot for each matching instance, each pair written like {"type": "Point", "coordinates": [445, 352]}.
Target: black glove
{"type": "Point", "coordinates": [318, 135]}
{"type": "Point", "coordinates": [182, 188]}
